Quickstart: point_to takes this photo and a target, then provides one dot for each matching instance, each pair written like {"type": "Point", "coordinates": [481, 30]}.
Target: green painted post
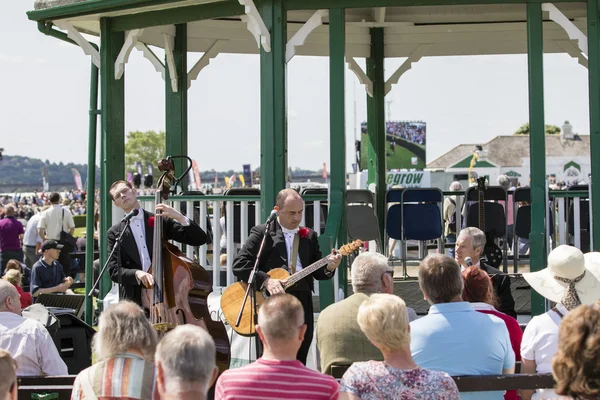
{"type": "Point", "coordinates": [91, 194]}
{"type": "Point", "coordinates": [376, 126]}
{"type": "Point", "coordinates": [176, 106]}
{"type": "Point", "coordinates": [273, 118]}
{"type": "Point", "coordinates": [594, 97]}
{"type": "Point", "coordinates": [113, 132]}
{"type": "Point", "coordinates": [537, 145]}
{"type": "Point", "coordinates": [337, 148]}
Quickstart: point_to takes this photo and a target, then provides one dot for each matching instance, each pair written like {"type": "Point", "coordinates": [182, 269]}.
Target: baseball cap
{"type": "Point", "coordinates": [51, 244]}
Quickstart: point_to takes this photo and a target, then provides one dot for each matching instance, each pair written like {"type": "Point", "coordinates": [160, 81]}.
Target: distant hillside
{"type": "Point", "coordinates": [18, 173]}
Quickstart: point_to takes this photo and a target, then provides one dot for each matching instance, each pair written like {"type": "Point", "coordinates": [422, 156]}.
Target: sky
{"type": "Point", "coordinates": [45, 100]}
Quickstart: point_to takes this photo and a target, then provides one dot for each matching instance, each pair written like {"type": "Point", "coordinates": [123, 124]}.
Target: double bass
{"type": "Point", "coordinates": [181, 286]}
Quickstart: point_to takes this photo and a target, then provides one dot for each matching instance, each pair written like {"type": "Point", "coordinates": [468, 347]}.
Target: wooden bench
{"type": "Point", "coordinates": [45, 387]}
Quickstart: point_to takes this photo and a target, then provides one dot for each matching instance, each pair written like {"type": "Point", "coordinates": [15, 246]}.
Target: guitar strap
{"type": "Point", "coordinates": [294, 257]}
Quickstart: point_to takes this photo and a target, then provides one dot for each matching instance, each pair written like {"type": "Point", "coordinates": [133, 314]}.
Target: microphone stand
{"type": "Point", "coordinates": [115, 247]}
{"type": "Point", "coordinates": [251, 292]}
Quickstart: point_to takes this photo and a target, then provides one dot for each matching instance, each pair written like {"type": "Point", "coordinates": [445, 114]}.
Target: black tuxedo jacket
{"type": "Point", "coordinates": [274, 255]}
{"type": "Point", "coordinates": [127, 260]}
{"type": "Point", "coordinates": [501, 284]}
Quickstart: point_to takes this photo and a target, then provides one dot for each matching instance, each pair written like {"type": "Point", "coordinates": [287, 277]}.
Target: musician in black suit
{"type": "Point", "coordinates": [133, 260]}
{"type": "Point", "coordinates": [470, 243]}
{"type": "Point", "coordinates": [277, 251]}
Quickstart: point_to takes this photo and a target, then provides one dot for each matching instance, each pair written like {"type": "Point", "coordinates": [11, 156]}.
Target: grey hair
{"type": "Point", "coordinates": [367, 270]}
{"type": "Point", "coordinates": [455, 186]}
{"type": "Point", "coordinates": [188, 357]}
{"type": "Point", "coordinates": [123, 327]}
{"type": "Point", "coordinates": [281, 316]}
{"type": "Point", "coordinates": [475, 233]}
{"type": "Point", "coordinates": [7, 290]}
{"type": "Point", "coordinates": [504, 181]}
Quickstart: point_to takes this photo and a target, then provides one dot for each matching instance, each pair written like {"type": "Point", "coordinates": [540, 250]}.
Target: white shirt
{"type": "Point", "coordinates": [540, 344]}
{"type": "Point", "coordinates": [138, 229]}
{"type": "Point", "coordinates": [30, 344]}
{"type": "Point", "coordinates": [31, 236]}
{"type": "Point", "coordinates": [288, 235]}
{"type": "Point", "coordinates": [52, 221]}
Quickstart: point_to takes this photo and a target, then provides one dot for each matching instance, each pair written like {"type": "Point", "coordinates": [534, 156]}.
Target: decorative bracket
{"type": "Point", "coordinates": [570, 48]}
{"type": "Point", "coordinates": [80, 40]}
{"type": "Point", "coordinates": [256, 25]}
{"type": "Point", "coordinates": [572, 30]}
{"type": "Point", "coordinates": [130, 42]}
{"type": "Point", "coordinates": [299, 37]}
{"type": "Point", "coordinates": [209, 54]}
{"type": "Point", "coordinates": [169, 44]}
{"type": "Point", "coordinates": [378, 14]}
{"type": "Point", "coordinates": [149, 54]}
{"type": "Point", "coordinates": [414, 57]}
{"type": "Point", "coordinates": [360, 74]}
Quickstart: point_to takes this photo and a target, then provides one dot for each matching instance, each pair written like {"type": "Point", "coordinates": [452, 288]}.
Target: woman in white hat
{"type": "Point", "coordinates": [570, 280]}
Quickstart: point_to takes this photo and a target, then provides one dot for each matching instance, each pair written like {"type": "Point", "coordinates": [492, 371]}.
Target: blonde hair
{"type": "Point", "coordinates": [13, 276]}
{"type": "Point", "coordinates": [281, 316]}
{"type": "Point", "coordinates": [8, 372]}
{"type": "Point", "coordinates": [384, 320]}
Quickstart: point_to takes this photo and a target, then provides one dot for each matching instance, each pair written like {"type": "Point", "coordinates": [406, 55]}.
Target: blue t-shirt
{"type": "Point", "coordinates": [458, 340]}
{"type": "Point", "coordinates": [45, 276]}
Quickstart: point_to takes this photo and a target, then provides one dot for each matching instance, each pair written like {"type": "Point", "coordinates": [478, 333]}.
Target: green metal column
{"type": "Point", "coordinates": [337, 152]}
{"type": "Point", "coordinates": [273, 114]}
{"type": "Point", "coordinates": [537, 145]}
{"type": "Point", "coordinates": [91, 194]}
{"type": "Point", "coordinates": [176, 105]}
{"type": "Point", "coordinates": [593, 8]}
{"type": "Point", "coordinates": [113, 132]}
{"type": "Point", "coordinates": [376, 126]}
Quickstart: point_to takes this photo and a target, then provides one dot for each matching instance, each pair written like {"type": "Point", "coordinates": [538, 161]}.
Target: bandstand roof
{"type": "Point", "coordinates": [435, 30]}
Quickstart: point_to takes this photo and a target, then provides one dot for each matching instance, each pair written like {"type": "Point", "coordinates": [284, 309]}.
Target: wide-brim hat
{"type": "Point", "coordinates": [567, 262]}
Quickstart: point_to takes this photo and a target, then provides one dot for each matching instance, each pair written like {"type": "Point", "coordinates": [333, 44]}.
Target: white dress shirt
{"type": "Point", "coordinates": [288, 235]}
{"type": "Point", "coordinates": [32, 236]}
{"type": "Point", "coordinates": [138, 229]}
{"type": "Point", "coordinates": [30, 344]}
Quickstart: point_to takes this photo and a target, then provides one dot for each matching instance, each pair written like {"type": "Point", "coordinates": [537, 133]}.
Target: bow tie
{"type": "Point", "coordinates": [289, 231]}
{"type": "Point", "coordinates": [140, 215]}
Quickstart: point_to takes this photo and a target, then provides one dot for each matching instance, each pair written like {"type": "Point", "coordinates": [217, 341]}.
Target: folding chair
{"type": "Point", "coordinates": [309, 209]}
{"type": "Point", "coordinates": [360, 216]}
{"type": "Point", "coordinates": [583, 233]}
{"type": "Point", "coordinates": [393, 220]}
{"type": "Point", "coordinates": [422, 219]}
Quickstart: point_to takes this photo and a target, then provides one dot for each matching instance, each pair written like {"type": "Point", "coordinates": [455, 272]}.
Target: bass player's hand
{"type": "Point", "coordinates": [273, 286]}
{"type": "Point", "coordinates": [145, 279]}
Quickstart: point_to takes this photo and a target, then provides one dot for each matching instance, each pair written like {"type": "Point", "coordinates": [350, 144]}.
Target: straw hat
{"type": "Point", "coordinates": [568, 262]}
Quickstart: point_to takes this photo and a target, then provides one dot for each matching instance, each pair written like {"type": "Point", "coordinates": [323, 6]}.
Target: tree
{"type": "Point", "coordinates": [550, 130]}
{"type": "Point", "coordinates": [145, 147]}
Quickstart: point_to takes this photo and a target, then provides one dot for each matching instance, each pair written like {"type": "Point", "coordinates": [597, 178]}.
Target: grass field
{"type": "Point", "coordinates": [399, 159]}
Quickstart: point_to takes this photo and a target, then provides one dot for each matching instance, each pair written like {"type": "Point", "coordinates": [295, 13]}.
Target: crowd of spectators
{"type": "Point", "coordinates": [413, 131]}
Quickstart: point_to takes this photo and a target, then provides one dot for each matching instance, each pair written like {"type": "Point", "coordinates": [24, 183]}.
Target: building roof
{"type": "Point", "coordinates": [509, 151]}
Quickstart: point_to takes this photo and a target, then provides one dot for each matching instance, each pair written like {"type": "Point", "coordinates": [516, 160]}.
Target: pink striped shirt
{"type": "Point", "coordinates": [275, 380]}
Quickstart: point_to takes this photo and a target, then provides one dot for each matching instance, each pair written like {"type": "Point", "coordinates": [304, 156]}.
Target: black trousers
{"type": "Point", "coordinates": [305, 298]}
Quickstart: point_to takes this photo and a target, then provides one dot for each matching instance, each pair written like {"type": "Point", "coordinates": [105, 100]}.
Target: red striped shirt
{"type": "Point", "coordinates": [275, 380]}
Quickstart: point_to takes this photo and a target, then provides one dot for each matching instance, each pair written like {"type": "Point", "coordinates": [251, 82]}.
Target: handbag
{"type": "Point", "coordinates": [66, 237]}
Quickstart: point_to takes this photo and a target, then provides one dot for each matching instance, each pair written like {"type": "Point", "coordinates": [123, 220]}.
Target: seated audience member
{"type": "Point", "coordinates": [124, 347]}
{"type": "Point", "coordinates": [25, 339]}
{"type": "Point", "coordinates": [575, 367]}
{"type": "Point", "coordinates": [47, 274]}
{"type": "Point", "coordinates": [384, 320]}
{"type": "Point", "coordinates": [13, 276]}
{"type": "Point", "coordinates": [479, 292]}
{"type": "Point", "coordinates": [23, 269]}
{"type": "Point", "coordinates": [568, 281]}
{"type": "Point", "coordinates": [186, 364]}
{"type": "Point", "coordinates": [339, 338]}
{"type": "Point", "coordinates": [470, 243]}
{"type": "Point", "coordinates": [277, 373]}
{"type": "Point", "coordinates": [8, 372]}
{"type": "Point", "coordinates": [453, 337]}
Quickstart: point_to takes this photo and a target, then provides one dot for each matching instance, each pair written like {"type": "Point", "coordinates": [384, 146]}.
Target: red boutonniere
{"type": "Point", "coordinates": [303, 232]}
{"type": "Point", "coordinates": [151, 222]}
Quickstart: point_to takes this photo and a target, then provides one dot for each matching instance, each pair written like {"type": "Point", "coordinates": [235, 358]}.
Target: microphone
{"type": "Point", "coordinates": [272, 217]}
{"type": "Point", "coordinates": [131, 214]}
{"type": "Point", "coordinates": [469, 261]}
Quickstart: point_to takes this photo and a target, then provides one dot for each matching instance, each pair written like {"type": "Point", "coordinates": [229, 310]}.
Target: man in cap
{"type": "Point", "coordinates": [47, 275]}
